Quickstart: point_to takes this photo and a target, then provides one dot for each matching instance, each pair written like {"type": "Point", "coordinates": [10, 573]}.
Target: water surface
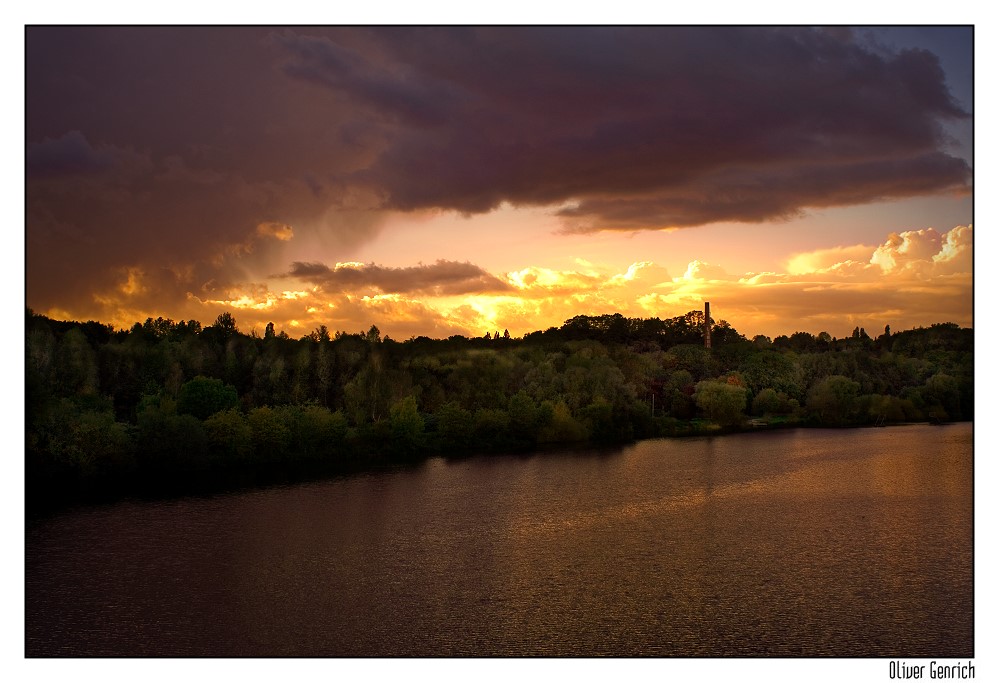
{"type": "Point", "coordinates": [805, 542]}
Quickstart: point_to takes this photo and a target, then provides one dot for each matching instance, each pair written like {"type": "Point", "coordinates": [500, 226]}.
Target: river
{"type": "Point", "coordinates": [790, 543]}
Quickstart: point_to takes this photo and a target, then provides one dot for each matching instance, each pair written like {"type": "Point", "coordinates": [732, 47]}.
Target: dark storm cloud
{"type": "Point", "coordinates": [753, 195]}
{"type": "Point", "coordinates": [69, 154]}
{"type": "Point", "coordinates": [167, 147]}
{"type": "Point", "coordinates": [412, 98]}
{"type": "Point", "coordinates": [697, 124]}
{"type": "Point", "coordinates": [442, 278]}
{"type": "Point", "coordinates": [223, 142]}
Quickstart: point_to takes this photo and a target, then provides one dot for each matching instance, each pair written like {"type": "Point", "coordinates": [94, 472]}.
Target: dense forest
{"type": "Point", "coordinates": [169, 402]}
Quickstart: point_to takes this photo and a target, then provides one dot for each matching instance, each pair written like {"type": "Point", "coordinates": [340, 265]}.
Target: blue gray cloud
{"type": "Point", "coordinates": [442, 278]}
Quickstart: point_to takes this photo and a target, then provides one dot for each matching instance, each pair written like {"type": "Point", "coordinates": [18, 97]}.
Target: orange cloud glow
{"type": "Point", "coordinates": [278, 231]}
{"type": "Point", "coordinates": [912, 278]}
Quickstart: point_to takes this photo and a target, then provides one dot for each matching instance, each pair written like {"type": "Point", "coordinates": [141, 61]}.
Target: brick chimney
{"type": "Point", "coordinates": [707, 324]}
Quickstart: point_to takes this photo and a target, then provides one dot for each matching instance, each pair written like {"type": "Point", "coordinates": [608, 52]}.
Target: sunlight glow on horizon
{"type": "Point", "coordinates": [824, 290]}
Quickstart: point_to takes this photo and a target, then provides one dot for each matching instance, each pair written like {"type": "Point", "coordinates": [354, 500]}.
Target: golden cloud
{"type": "Point", "coordinates": [700, 270]}
{"type": "Point", "coordinates": [913, 278]}
{"type": "Point", "coordinates": [279, 231]}
{"type": "Point", "coordinates": [133, 282]}
{"type": "Point", "coordinates": [956, 249]}
{"type": "Point", "coordinates": [902, 248]}
{"type": "Point", "coordinates": [538, 281]}
{"type": "Point", "coordinates": [823, 259]}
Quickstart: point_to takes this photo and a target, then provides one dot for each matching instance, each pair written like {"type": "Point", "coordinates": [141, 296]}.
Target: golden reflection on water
{"type": "Point", "coordinates": [886, 469]}
{"type": "Point", "coordinates": [854, 542]}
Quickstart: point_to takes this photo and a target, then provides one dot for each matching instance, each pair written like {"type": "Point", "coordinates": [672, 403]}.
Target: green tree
{"type": "Point", "coordinates": [771, 369]}
{"type": "Point", "coordinates": [203, 396]}
{"type": "Point", "coordinates": [324, 369]}
{"type": "Point", "coordinates": [230, 439]}
{"type": "Point", "coordinates": [455, 426]}
{"type": "Point", "coordinates": [561, 427]}
{"type": "Point", "coordinates": [491, 431]}
{"type": "Point", "coordinates": [406, 426]}
{"type": "Point", "coordinates": [942, 396]}
{"type": "Point", "coordinates": [76, 364]}
{"type": "Point", "coordinates": [525, 420]}
{"type": "Point", "coordinates": [696, 360]}
{"type": "Point", "coordinates": [722, 402]}
{"type": "Point", "coordinates": [270, 435]}
{"type": "Point", "coordinates": [167, 443]}
{"type": "Point", "coordinates": [367, 395]}
{"type": "Point", "coordinates": [598, 417]}
{"type": "Point", "coordinates": [766, 402]}
{"type": "Point", "coordinates": [87, 442]}
{"type": "Point", "coordinates": [678, 395]}
{"type": "Point", "coordinates": [882, 409]}
{"type": "Point", "coordinates": [314, 433]}
{"type": "Point", "coordinates": [834, 400]}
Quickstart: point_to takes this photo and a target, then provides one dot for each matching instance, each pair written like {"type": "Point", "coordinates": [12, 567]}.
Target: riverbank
{"type": "Point", "coordinates": [44, 495]}
{"type": "Point", "coordinates": [173, 407]}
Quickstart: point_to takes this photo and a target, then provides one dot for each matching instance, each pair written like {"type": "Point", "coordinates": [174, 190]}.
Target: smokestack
{"type": "Point", "coordinates": [707, 324]}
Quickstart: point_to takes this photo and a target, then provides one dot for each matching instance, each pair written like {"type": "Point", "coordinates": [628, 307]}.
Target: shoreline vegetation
{"type": "Point", "coordinates": [169, 408]}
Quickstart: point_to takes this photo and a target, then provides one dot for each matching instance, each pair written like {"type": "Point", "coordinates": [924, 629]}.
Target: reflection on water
{"type": "Point", "coordinates": [808, 542]}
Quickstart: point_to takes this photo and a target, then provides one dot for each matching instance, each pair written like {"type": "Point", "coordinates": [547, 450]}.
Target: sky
{"type": "Point", "coordinates": [185, 172]}
{"type": "Point", "coordinates": [462, 180]}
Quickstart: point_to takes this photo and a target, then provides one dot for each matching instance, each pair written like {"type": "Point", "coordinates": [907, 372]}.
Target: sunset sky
{"type": "Point", "coordinates": [439, 181]}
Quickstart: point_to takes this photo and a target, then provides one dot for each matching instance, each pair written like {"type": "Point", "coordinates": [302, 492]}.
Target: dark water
{"type": "Point", "coordinates": [809, 542]}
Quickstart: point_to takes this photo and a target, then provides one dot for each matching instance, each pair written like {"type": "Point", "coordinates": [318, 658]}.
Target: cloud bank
{"type": "Point", "coordinates": [639, 127]}
{"type": "Point", "coordinates": [172, 170]}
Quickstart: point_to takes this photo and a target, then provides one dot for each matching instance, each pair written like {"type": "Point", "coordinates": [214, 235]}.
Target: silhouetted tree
{"type": "Point", "coordinates": [226, 324]}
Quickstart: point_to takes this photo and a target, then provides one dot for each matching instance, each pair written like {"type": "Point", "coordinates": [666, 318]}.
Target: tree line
{"type": "Point", "coordinates": [170, 401]}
